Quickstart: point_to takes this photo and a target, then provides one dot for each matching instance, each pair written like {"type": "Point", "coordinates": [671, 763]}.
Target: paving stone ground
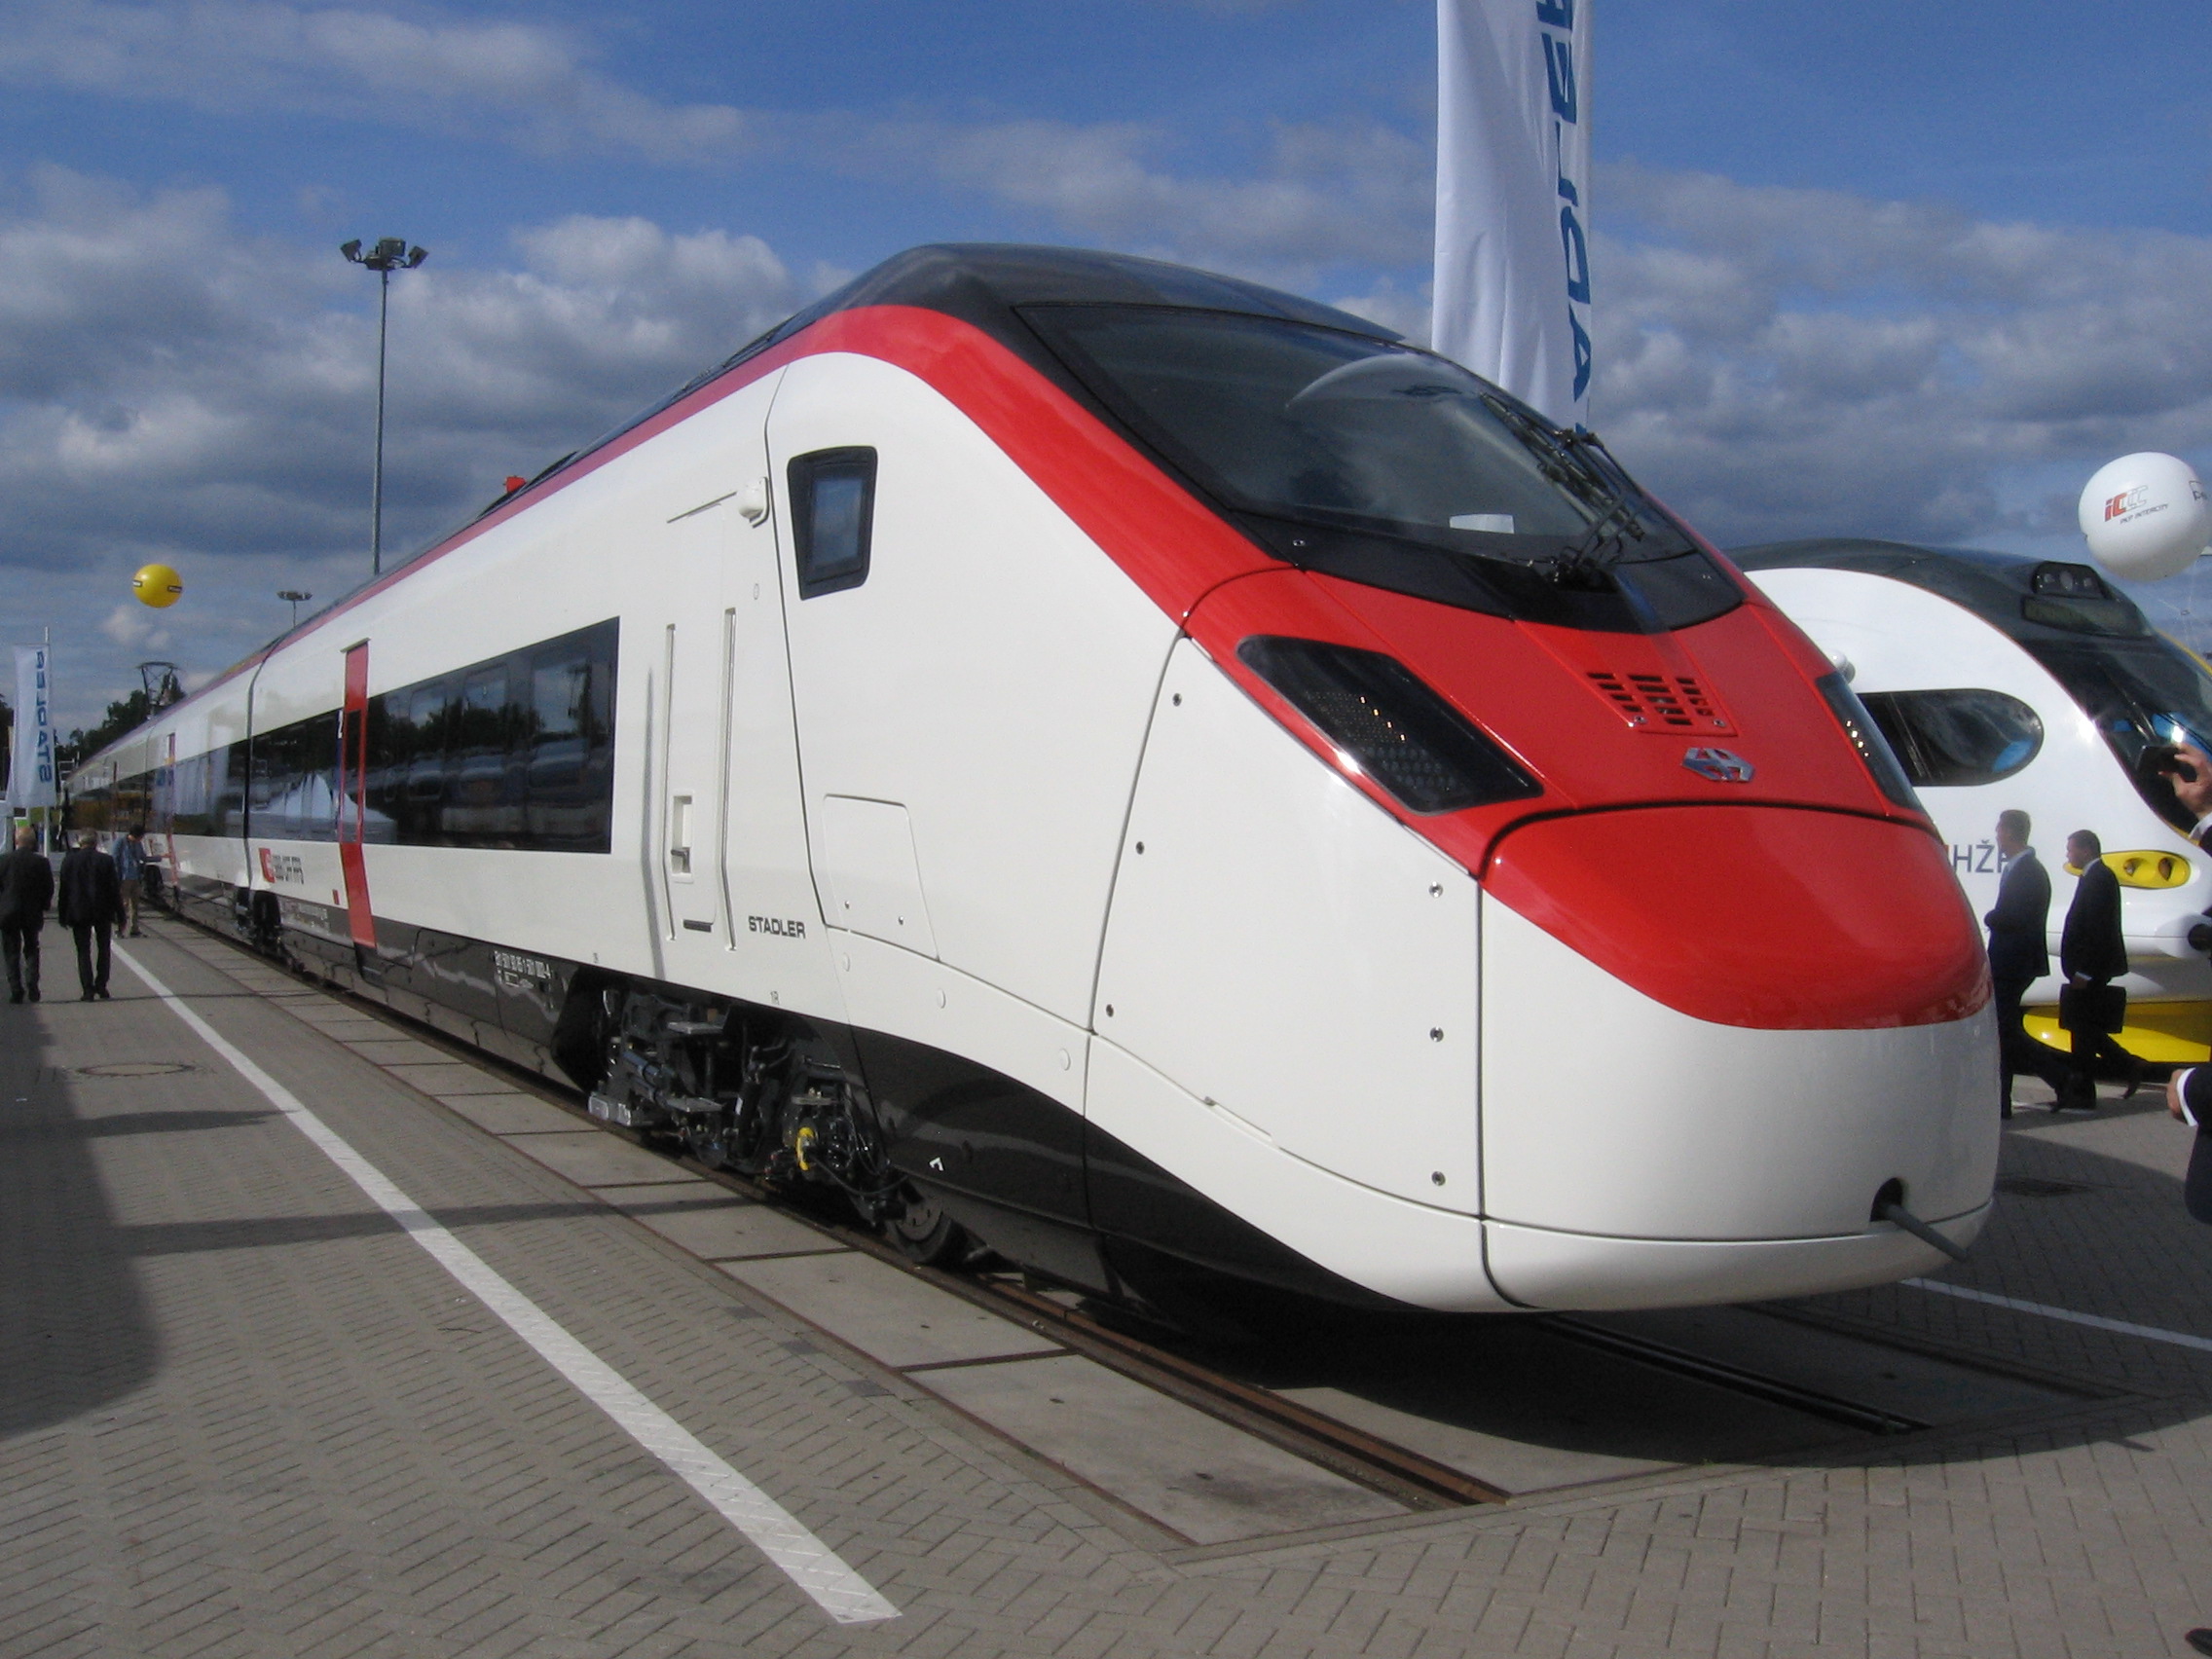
{"type": "Point", "coordinates": [243, 1414]}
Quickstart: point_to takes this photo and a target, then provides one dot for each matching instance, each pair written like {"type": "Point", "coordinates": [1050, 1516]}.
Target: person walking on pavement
{"type": "Point", "coordinates": [2019, 954]}
{"type": "Point", "coordinates": [2093, 952]}
{"type": "Point", "coordinates": [92, 900]}
{"type": "Point", "coordinates": [131, 875]}
{"type": "Point", "coordinates": [2189, 1097]}
{"type": "Point", "coordinates": [2188, 1093]}
{"type": "Point", "coordinates": [26, 889]}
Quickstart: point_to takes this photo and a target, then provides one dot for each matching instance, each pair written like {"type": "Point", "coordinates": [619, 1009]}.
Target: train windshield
{"type": "Point", "coordinates": [1302, 430]}
{"type": "Point", "coordinates": [2138, 692]}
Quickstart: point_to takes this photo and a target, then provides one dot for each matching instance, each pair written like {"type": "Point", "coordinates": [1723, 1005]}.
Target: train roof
{"type": "Point", "coordinates": [975, 281]}
{"type": "Point", "coordinates": [2027, 598]}
{"type": "Point", "coordinates": [986, 284]}
{"type": "Point", "coordinates": [981, 283]}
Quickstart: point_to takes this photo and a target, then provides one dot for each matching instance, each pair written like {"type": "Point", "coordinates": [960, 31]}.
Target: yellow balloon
{"type": "Point", "coordinates": [158, 585]}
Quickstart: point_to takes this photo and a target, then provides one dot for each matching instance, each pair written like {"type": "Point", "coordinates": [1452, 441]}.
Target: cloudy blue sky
{"type": "Point", "coordinates": [1885, 268]}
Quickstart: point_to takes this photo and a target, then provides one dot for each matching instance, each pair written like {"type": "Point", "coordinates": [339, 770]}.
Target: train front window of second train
{"type": "Point", "coordinates": [1304, 421]}
{"type": "Point", "coordinates": [1956, 738]}
{"type": "Point", "coordinates": [2138, 692]}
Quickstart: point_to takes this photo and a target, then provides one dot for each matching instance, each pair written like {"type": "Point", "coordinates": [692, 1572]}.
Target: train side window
{"type": "Point", "coordinates": [275, 778]}
{"type": "Point", "coordinates": [569, 783]}
{"type": "Point", "coordinates": [483, 703]}
{"type": "Point", "coordinates": [231, 819]}
{"type": "Point", "coordinates": [1951, 739]}
{"type": "Point", "coordinates": [560, 710]}
{"type": "Point", "coordinates": [833, 518]}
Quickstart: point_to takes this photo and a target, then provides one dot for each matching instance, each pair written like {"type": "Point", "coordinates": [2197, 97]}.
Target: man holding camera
{"type": "Point", "coordinates": [2189, 1094]}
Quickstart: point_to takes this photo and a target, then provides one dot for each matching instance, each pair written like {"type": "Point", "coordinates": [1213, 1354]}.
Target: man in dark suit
{"type": "Point", "coordinates": [2019, 954]}
{"type": "Point", "coordinates": [2093, 952]}
{"type": "Point", "coordinates": [91, 904]}
{"type": "Point", "coordinates": [2188, 1093]}
{"type": "Point", "coordinates": [26, 889]}
{"type": "Point", "coordinates": [2189, 1097]}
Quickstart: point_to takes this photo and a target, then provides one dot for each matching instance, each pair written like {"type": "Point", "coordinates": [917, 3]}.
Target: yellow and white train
{"type": "Point", "coordinates": [2010, 682]}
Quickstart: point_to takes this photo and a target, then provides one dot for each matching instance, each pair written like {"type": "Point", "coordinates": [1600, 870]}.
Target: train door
{"type": "Point", "coordinates": [780, 952]}
{"type": "Point", "coordinates": [353, 802]}
{"type": "Point", "coordinates": [693, 723]}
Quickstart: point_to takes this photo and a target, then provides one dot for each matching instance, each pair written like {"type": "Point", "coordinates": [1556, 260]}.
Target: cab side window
{"type": "Point", "coordinates": [1952, 738]}
{"type": "Point", "coordinates": [833, 515]}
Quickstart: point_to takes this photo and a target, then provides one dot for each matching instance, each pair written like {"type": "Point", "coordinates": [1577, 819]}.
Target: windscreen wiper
{"type": "Point", "coordinates": [1577, 462]}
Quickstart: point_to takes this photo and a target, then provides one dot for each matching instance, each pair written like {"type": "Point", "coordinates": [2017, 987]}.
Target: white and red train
{"type": "Point", "coordinates": [1149, 772]}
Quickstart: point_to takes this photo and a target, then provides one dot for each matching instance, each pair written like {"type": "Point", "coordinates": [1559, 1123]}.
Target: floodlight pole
{"type": "Point", "coordinates": [376, 474]}
{"type": "Point", "coordinates": [391, 253]}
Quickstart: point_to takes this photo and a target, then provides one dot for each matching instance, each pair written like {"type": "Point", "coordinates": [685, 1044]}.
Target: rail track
{"type": "Point", "coordinates": [1182, 1364]}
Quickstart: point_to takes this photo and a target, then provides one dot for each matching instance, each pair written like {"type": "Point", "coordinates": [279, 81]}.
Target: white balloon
{"type": "Point", "coordinates": [2146, 516]}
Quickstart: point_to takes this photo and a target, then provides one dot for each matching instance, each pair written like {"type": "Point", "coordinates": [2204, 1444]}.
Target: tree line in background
{"type": "Point", "coordinates": [126, 714]}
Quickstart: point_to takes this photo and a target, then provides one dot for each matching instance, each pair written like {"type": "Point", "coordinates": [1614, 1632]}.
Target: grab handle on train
{"type": "Point", "coordinates": [1889, 1206]}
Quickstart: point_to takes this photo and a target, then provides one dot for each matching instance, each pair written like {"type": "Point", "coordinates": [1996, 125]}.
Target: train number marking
{"type": "Point", "coordinates": [522, 973]}
{"type": "Point", "coordinates": [776, 925]}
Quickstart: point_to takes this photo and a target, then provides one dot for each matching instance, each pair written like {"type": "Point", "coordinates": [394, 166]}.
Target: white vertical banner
{"type": "Point", "coordinates": [1512, 294]}
{"type": "Point", "coordinates": [31, 769]}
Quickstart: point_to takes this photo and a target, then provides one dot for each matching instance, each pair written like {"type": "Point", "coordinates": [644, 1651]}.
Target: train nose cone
{"type": "Point", "coordinates": [1711, 1035]}
{"type": "Point", "coordinates": [1770, 917]}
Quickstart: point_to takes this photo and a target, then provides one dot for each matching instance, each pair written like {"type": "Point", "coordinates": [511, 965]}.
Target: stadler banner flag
{"type": "Point", "coordinates": [31, 769]}
{"type": "Point", "coordinates": [1513, 196]}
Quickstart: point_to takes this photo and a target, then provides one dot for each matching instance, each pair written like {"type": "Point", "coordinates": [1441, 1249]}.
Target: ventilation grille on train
{"type": "Point", "coordinates": [1660, 702]}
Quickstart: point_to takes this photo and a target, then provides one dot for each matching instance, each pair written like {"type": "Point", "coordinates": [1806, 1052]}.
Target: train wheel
{"type": "Point", "coordinates": [925, 1233]}
{"type": "Point", "coordinates": [707, 1140]}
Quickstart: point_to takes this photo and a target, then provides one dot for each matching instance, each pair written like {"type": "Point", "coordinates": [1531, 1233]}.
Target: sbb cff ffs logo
{"type": "Point", "coordinates": [278, 868]}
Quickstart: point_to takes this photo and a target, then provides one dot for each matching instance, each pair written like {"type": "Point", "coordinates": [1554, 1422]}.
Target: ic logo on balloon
{"type": "Point", "coordinates": [2146, 517]}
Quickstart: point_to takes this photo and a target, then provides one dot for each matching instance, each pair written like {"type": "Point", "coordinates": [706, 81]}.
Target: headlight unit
{"type": "Point", "coordinates": [1867, 737]}
{"type": "Point", "coordinates": [1420, 750]}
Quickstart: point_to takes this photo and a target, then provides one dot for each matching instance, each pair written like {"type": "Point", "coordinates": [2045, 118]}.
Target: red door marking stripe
{"type": "Point", "coordinates": [353, 796]}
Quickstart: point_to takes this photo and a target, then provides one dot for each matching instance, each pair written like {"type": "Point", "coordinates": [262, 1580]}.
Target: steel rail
{"type": "Point", "coordinates": [1663, 1357]}
{"type": "Point", "coordinates": [1382, 1465]}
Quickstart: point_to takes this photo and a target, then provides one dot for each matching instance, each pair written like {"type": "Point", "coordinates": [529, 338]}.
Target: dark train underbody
{"type": "Point", "coordinates": [943, 1153]}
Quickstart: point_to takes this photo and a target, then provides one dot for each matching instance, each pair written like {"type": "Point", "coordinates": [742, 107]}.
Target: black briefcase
{"type": "Point", "coordinates": [2093, 1008]}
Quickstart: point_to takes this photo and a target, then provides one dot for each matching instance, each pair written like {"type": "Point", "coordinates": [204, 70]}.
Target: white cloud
{"type": "Point", "coordinates": [129, 627]}
{"type": "Point", "coordinates": [532, 81]}
{"type": "Point", "coordinates": [165, 379]}
{"type": "Point", "coordinates": [1321, 196]}
{"type": "Point", "coordinates": [1793, 362]}
{"type": "Point", "coordinates": [171, 390]}
{"type": "Point", "coordinates": [1775, 362]}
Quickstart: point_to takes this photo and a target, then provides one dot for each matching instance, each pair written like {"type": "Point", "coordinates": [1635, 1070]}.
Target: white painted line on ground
{"type": "Point", "coordinates": [843, 1594]}
{"type": "Point", "coordinates": [2097, 1321]}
